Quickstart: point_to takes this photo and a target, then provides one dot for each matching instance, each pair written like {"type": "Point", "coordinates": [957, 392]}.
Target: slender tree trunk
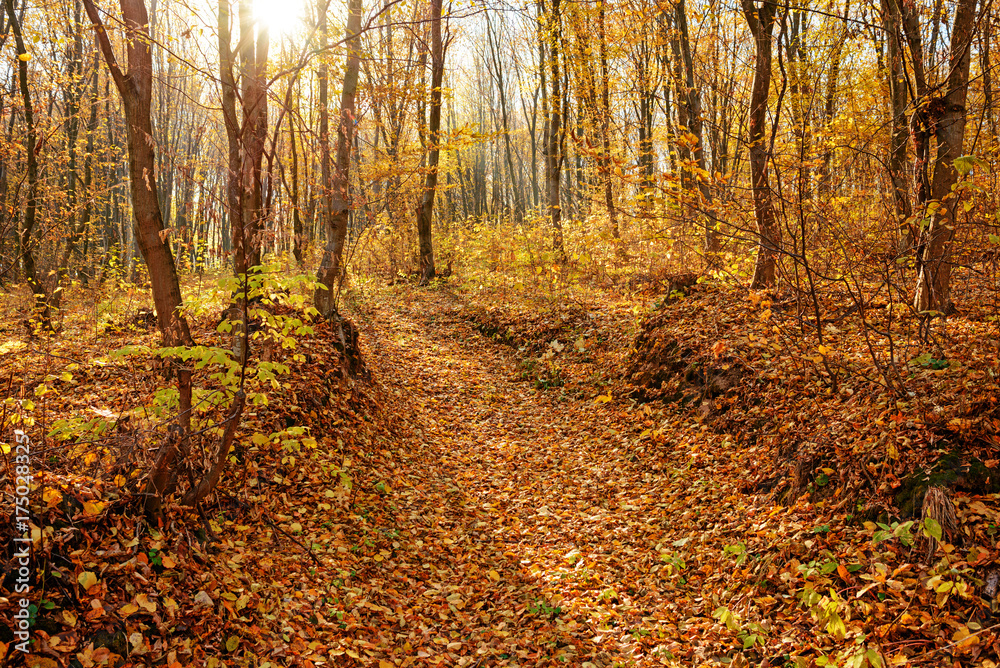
{"type": "Point", "coordinates": [497, 67]}
{"type": "Point", "coordinates": [84, 220]}
{"type": "Point", "coordinates": [330, 266]}
{"type": "Point", "coordinates": [604, 123]}
{"type": "Point", "coordinates": [554, 133]}
{"type": "Point", "coordinates": [899, 168]}
{"type": "Point", "coordinates": [26, 242]}
{"type": "Point", "coordinates": [297, 230]}
{"type": "Point", "coordinates": [323, 82]}
{"type": "Point", "coordinates": [824, 185]}
{"type": "Point", "coordinates": [692, 102]}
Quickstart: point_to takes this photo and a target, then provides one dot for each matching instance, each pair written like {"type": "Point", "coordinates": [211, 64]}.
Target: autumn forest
{"type": "Point", "coordinates": [589, 333]}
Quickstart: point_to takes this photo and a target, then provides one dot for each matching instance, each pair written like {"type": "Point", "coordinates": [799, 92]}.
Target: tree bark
{"type": "Point", "coordinates": [692, 102]}
{"type": "Point", "coordinates": [554, 132]}
{"type": "Point", "coordinates": [899, 167]}
{"type": "Point", "coordinates": [424, 216]}
{"type": "Point", "coordinates": [824, 186]}
{"type": "Point", "coordinates": [761, 22]}
{"type": "Point", "coordinates": [339, 202]}
{"type": "Point", "coordinates": [25, 240]}
{"type": "Point", "coordinates": [947, 117]}
{"type": "Point", "coordinates": [135, 87]}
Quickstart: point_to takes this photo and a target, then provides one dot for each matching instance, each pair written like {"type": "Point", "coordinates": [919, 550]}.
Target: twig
{"type": "Point", "coordinates": [291, 538]}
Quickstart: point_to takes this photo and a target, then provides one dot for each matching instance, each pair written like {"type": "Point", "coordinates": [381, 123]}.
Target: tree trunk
{"type": "Point", "coordinates": [254, 44]}
{"type": "Point", "coordinates": [554, 134]}
{"type": "Point", "coordinates": [605, 162]}
{"type": "Point", "coordinates": [692, 102]}
{"type": "Point", "coordinates": [298, 241]}
{"type": "Point", "coordinates": [761, 22]}
{"type": "Point", "coordinates": [231, 121]}
{"type": "Point", "coordinates": [135, 88]}
{"type": "Point", "coordinates": [899, 167]}
{"type": "Point", "coordinates": [41, 299]}
{"type": "Point", "coordinates": [947, 116]}
{"type": "Point", "coordinates": [88, 175]}
{"type": "Point", "coordinates": [330, 266]}
{"type": "Point", "coordinates": [424, 216]}
{"type": "Point", "coordinates": [824, 186]}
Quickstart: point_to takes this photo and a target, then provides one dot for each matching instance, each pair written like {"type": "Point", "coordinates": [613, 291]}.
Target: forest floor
{"type": "Point", "coordinates": [496, 495]}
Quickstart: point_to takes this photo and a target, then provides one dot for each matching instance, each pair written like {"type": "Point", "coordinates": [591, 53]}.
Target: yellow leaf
{"type": "Point", "coordinates": [51, 497]}
{"type": "Point", "coordinates": [493, 575]}
{"type": "Point", "coordinates": [91, 508]}
{"type": "Point", "coordinates": [385, 664]}
{"type": "Point", "coordinates": [603, 399]}
{"type": "Point", "coordinates": [69, 617]}
{"type": "Point", "coordinates": [129, 609]}
{"type": "Point", "coordinates": [24, 57]}
{"type": "Point", "coordinates": [145, 603]}
{"type": "Point", "coordinates": [87, 579]}
{"type": "Point", "coordinates": [964, 638]}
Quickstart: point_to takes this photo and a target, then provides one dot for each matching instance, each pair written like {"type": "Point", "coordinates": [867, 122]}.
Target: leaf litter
{"type": "Point", "coordinates": [451, 513]}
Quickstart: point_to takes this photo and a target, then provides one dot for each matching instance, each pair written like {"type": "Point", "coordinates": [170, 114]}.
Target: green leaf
{"type": "Point", "coordinates": [964, 164]}
{"type": "Point", "coordinates": [933, 528]}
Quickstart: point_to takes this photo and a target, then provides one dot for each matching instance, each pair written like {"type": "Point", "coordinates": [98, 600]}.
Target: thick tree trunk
{"type": "Point", "coordinates": [135, 88]}
{"type": "Point", "coordinates": [254, 44]}
{"type": "Point", "coordinates": [339, 203]}
{"type": "Point", "coordinates": [947, 115]}
{"type": "Point", "coordinates": [424, 216]}
{"type": "Point", "coordinates": [761, 22]}
{"type": "Point", "coordinates": [232, 124]}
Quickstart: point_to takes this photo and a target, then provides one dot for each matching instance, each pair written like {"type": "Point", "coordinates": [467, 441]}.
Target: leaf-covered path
{"type": "Point", "coordinates": [531, 524]}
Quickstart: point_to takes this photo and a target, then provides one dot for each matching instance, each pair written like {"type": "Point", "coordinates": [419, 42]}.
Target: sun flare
{"type": "Point", "coordinates": [282, 17]}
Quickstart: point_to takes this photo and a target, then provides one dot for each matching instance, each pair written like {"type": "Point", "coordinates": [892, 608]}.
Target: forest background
{"type": "Point", "coordinates": [761, 235]}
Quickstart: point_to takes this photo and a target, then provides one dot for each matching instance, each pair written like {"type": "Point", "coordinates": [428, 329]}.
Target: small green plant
{"type": "Point", "coordinates": [894, 530]}
{"type": "Point", "coordinates": [545, 373]}
{"type": "Point", "coordinates": [739, 551]}
{"type": "Point", "coordinates": [541, 608]}
{"type": "Point", "coordinates": [928, 362]}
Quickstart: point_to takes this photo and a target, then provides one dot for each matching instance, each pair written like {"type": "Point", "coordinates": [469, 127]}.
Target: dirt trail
{"type": "Point", "coordinates": [528, 521]}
